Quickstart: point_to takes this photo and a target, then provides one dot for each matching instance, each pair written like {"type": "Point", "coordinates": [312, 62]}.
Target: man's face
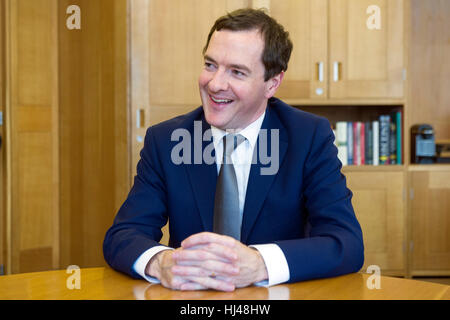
{"type": "Point", "coordinates": [232, 86]}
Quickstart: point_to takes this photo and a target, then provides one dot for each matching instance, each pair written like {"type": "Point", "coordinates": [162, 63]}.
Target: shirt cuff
{"type": "Point", "coordinates": [141, 262]}
{"type": "Point", "coordinates": [276, 264]}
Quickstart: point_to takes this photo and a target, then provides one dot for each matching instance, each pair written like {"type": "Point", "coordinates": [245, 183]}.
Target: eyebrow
{"type": "Point", "coordinates": [235, 66]}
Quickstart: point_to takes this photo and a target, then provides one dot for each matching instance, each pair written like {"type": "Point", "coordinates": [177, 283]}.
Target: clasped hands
{"type": "Point", "coordinates": [208, 261]}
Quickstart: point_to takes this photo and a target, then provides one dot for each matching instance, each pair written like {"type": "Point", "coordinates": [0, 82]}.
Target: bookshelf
{"type": "Point", "coordinates": [357, 129]}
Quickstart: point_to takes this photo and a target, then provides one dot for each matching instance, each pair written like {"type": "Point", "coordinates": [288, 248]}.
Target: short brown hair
{"type": "Point", "coordinates": [277, 45]}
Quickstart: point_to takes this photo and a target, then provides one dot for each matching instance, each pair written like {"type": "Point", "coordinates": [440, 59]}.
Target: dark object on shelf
{"type": "Point", "coordinates": [443, 151]}
{"type": "Point", "coordinates": [423, 147]}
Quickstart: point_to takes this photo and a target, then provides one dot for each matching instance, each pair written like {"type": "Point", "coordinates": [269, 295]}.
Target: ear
{"type": "Point", "coordinates": [272, 84]}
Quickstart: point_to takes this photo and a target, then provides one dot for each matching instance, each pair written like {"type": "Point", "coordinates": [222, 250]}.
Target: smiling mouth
{"type": "Point", "coordinates": [220, 101]}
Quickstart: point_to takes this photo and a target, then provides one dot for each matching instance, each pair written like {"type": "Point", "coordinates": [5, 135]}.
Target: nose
{"type": "Point", "coordinates": [219, 82]}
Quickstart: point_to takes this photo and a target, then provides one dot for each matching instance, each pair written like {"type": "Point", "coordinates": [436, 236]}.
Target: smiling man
{"type": "Point", "coordinates": [230, 225]}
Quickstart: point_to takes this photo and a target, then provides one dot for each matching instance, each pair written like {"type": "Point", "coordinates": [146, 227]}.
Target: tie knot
{"type": "Point", "coordinates": [231, 142]}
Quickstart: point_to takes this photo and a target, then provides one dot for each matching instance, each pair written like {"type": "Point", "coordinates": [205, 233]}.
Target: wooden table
{"type": "Point", "coordinates": [107, 284]}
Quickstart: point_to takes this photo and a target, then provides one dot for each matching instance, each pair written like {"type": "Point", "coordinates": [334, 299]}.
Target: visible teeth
{"type": "Point", "coordinates": [220, 100]}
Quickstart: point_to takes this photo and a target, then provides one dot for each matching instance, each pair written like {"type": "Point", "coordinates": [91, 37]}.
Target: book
{"type": "Point", "coordinates": [376, 143]}
{"type": "Point", "coordinates": [362, 142]}
{"type": "Point", "coordinates": [384, 139]}
{"type": "Point", "coordinates": [368, 131]}
{"type": "Point", "coordinates": [350, 142]}
{"type": "Point", "coordinates": [392, 138]}
{"type": "Point", "coordinates": [341, 141]}
{"type": "Point", "coordinates": [398, 119]}
{"type": "Point", "coordinates": [358, 143]}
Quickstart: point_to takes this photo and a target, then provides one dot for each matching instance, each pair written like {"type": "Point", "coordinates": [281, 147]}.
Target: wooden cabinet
{"type": "Point", "coordinates": [65, 123]}
{"type": "Point", "coordinates": [338, 54]}
{"type": "Point", "coordinates": [366, 62]}
{"type": "Point", "coordinates": [79, 101]}
{"type": "Point", "coordinates": [430, 220]}
{"type": "Point", "coordinates": [307, 24]}
{"type": "Point", "coordinates": [177, 34]}
{"type": "Point", "coordinates": [380, 207]}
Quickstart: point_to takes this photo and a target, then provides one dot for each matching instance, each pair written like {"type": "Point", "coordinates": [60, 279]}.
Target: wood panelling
{"type": "Point", "coordinates": [34, 142]}
{"type": "Point", "coordinates": [429, 65]}
{"type": "Point", "coordinates": [177, 35]}
{"type": "Point", "coordinates": [94, 127]}
{"type": "Point", "coordinates": [430, 221]}
{"type": "Point", "coordinates": [3, 238]}
{"type": "Point", "coordinates": [307, 24]}
{"type": "Point", "coordinates": [380, 208]}
{"type": "Point", "coordinates": [371, 61]}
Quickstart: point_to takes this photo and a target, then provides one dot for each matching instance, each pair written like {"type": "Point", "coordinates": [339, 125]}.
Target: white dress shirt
{"type": "Point", "coordinates": [273, 256]}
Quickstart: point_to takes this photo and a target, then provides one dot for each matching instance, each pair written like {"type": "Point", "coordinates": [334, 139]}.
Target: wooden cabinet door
{"type": "Point", "coordinates": [366, 62]}
{"type": "Point", "coordinates": [178, 32]}
{"type": "Point", "coordinates": [430, 222]}
{"type": "Point", "coordinates": [2, 136]}
{"type": "Point", "coordinates": [380, 209]}
{"type": "Point", "coordinates": [32, 129]}
{"type": "Point", "coordinates": [307, 23]}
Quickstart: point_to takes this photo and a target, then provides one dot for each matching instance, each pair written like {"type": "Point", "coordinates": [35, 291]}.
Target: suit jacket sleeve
{"type": "Point", "coordinates": [334, 245]}
{"type": "Point", "coordinates": [137, 226]}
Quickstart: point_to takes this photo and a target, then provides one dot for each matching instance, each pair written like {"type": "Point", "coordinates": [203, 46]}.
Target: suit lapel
{"type": "Point", "coordinates": [203, 178]}
{"type": "Point", "coordinates": [258, 184]}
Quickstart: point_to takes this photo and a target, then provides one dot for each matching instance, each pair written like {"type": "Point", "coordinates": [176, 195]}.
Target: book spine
{"type": "Point", "coordinates": [369, 142]}
{"type": "Point", "coordinates": [341, 134]}
{"type": "Point", "coordinates": [393, 139]}
{"type": "Point", "coordinates": [376, 142]}
{"type": "Point", "coordinates": [350, 142]}
{"type": "Point", "coordinates": [363, 143]}
{"type": "Point", "coordinates": [399, 137]}
{"type": "Point", "coordinates": [356, 143]}
{"type": "Point", "coordinates": [384, 139]}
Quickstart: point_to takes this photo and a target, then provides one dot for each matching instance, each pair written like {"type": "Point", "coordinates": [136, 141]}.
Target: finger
{"type": "Point", "coordinates": [213, 283]}
{"type": "Point", "coordinates": [221, 251]}
{"type": "Point", "coordinates": [174, 282]}
{"type": "Point", "coordinates": [191, 286]}
{"type": "Point", "coordinates": [208, 252]}
{"type": "Point", "coordinates": [191, 271]}
{"type": "Point", "coordinates": [206, 238]}
{"type": "Point", "coordinates": [205, 269]}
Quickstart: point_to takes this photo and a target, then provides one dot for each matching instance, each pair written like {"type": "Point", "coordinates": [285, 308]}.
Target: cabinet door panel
{"type": "Point", "coordinates": [430, 208]}
{"type": "Point", "coordinates": [366, 62]}
{"type": "Point", "coordinates": [33, 147]}
{"type": "Point", "coordinates": [379, 207]}
{"type": "Point", "coordinates": [306, 22]}
{"type": "Point", "coordinates": [178, 31]}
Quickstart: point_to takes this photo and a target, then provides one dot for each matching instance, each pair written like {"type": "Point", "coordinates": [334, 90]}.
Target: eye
{"type": "Point", "coordinates": [209, 65]}
{"type": "Point", "coordinates": [238, 73]}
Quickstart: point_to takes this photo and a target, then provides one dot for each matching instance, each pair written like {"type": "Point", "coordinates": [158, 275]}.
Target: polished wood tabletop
{"type": "Point", "coordinates": [107, 284]}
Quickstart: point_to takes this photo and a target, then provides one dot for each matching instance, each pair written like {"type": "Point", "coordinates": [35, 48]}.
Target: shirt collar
{"type": "Point", "coordinates": [250, 132]}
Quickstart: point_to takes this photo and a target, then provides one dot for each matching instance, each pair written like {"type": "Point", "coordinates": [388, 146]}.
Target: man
{"type": "Point", "coordinates": [294, 224]}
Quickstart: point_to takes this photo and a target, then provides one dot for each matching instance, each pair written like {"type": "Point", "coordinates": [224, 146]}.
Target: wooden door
{"type": "Point", "coordinates": [3, 239]}
{"type": "Point", "coordinates": [366, 49]}
{"type": "Point", "coordinates": [307, 24]}
{"type": "Point", "coordinates": [380, 209]}
{"type": "Point", "coordinates": [94, 136]}
{"type": "Point", "coordinates": [32, 129]}
{"type": "Point", "coordinates": [430, 222]}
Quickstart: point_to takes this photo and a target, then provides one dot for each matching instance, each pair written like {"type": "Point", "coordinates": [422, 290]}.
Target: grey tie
{"type": "Point", "coordinates": [227, 219]}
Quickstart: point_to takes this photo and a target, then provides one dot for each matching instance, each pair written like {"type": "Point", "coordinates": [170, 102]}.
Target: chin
{"type": "Point", "coordinates": [215, 121]}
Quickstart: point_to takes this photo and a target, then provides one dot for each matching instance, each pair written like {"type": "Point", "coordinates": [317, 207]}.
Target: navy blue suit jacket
{"type": "Point", "coordinates": [305, 208]}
